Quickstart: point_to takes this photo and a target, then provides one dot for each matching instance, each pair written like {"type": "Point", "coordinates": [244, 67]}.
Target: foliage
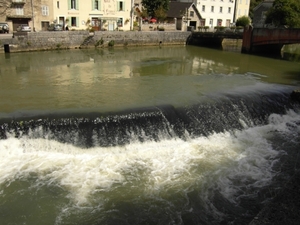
{"type": "Point", "coordinates": [201, 28]}
{"type": "Point", "coordinates": [160, 28]}
{"type": "Point", "coordinates": [88, 25]}
{"type": "Point", "coordinates": [144, 13]}
{"type": "Point", "coordinates": [160, 13]}
{"type": "Point", "coordinates": [152, 5]}
{"type": "Point", "coordinates": [99, 42]}
{"type": "Point", "coordinates": [111, 43]}
{"type": "Point", "coordinates": [284, 13]}
{"type": "Point", "coordinates": [219, 28]}
{"type": "Point", "coordinates": [243, 21]}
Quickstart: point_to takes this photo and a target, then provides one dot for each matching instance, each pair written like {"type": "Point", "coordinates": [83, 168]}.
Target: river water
{"type": "Point", "coordinates": [170, 135]}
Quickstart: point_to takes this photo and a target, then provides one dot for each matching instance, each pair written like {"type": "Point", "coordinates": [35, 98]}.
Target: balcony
{"type": "Point", "coordinates": [18, 2]}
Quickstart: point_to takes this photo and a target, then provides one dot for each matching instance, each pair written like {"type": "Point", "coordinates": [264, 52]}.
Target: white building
{"type": "Point", "coordinates": [221, 12]}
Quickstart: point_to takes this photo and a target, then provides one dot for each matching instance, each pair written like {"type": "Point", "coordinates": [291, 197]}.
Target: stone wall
{"type": "Point", "coordinates": [35, 41]}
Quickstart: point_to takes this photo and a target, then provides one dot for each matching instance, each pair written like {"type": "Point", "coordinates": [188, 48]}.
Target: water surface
{"type": "Point", "coordinates": [171, 135]}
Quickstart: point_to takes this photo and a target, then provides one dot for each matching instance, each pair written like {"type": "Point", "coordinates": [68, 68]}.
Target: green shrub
{"type": "Point", "coordinates": [99, 42]}
{"type": "Point", "coordinates": [111, 43]}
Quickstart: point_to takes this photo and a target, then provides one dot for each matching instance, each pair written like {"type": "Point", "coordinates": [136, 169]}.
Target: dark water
{"type": "Point", "coordinates": [172, 135]}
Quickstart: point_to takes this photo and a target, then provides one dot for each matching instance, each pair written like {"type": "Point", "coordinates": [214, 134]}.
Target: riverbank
{"type": "Point", "coordinates": [42, 41]}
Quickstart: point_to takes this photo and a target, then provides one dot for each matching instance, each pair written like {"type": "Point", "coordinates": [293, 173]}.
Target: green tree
{"type": "Point", "coordinates": [152, 5]}
{"type": "Point", "coordinates": [284, 13]}
{"type": "Point", "coordinates": [160, 13]}
{"type": "Point", "coordinates": [242, 21]}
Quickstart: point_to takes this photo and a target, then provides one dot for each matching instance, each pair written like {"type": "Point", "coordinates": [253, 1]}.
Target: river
{"type": "Point", "coordinates": [152, 135]}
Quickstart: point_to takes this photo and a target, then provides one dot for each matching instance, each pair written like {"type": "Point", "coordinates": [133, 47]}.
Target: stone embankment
{"type": "Point", "coordinates": [37, 41]}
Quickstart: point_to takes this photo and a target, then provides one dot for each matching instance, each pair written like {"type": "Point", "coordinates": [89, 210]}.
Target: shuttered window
{"type": "Point", "coordinates": [120, 6]}
{"type": "Point", "coordinates": [73, 4]}
{"type": "Point", "coordinates": [96, 4]}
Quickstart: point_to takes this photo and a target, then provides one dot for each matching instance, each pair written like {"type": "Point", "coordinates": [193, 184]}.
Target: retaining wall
{"type": "Point", "coordinates": [35, 41]}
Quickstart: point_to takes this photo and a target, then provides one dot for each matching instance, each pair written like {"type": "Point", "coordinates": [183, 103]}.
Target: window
{"type": "Point", "coordinates": [74, 21]}
{"type": "Point", "coordinates": [57, 4]}
{"type": "Point", "coordinates": [120, 22]}
{"type": "Point", "coordinates": [212, 9]}
{"type": "Point", "coordinates": [229, 9]}
{"type": "Point", "coordinates": [203, 8]}
{"type": "Point", "coordinates": [211, 21]}
{"type": "Point", "coordinates": [191, 13]}
{"type": "Point", "coordinates": [120, 6]}
{"type": "Point", "coordinates": [96, 5]}
{"type": "Point", "coordinates": [221, 9]}
{"type": "Point", "coordinates": [73, 4]}
{"type": "Point", "coordinates": [45, 10]}
{"type": "Point", "coordinates": [19, 10]}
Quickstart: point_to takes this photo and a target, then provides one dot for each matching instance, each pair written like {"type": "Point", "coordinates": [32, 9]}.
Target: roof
{"type": "Point", "coordinates": [266, 4]}
{"type": "Point", "coordinates": [177, 9]}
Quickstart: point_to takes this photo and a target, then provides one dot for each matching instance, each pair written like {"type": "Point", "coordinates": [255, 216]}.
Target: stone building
{"type": "Point", "coordinates": [77, 14]}
{"type": "Point", "coordinates": [30, 12]}
{"type": "Point", "coordinates": [259, 13]}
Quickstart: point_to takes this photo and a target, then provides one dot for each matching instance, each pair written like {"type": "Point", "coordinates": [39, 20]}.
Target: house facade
{"type": "Point", "coordinates": [77, 14]}
{"type": "Point", "coordinates": [221, 12]}
{"type": "Point", "coordinates": [94, 14]}
{"type": "Point", "coordinates": [30, 12]}
{"type": "Point", "coordinates": [215, 12]}
{"type": "Point", "coordinates": [242, 8]}
{"type": "Point", "coordinates": [184, 14]}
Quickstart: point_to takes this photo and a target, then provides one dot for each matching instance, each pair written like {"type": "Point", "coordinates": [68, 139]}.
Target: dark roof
{"type": "Point", "coordinates": [176, 9]}
{"type": "Point", "coordinates": [266, 4]}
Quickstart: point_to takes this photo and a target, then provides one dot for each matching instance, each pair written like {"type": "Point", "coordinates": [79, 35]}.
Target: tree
{"type": "Point", "coordinates": [242, 21]}
{"type": "Point", "coordinates": [284, 13]}
{"type": "Point", "coordinates": [160, 14]}
{"type": "Point", "coordinates": [152, 5]}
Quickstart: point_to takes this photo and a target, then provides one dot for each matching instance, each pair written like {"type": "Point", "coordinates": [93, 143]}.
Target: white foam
{"type": "Point", "coordinates": [169, 164]}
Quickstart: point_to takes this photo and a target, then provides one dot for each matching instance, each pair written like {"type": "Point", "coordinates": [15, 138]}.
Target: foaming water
{"type": "Point", "coordinates": [130, 183]}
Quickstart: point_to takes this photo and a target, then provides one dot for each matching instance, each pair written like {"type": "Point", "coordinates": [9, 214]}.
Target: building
{"type": "Point", "coordinates": [221, 12]}
{"type": "Point", "coordinates": [95, 14]}
{"type": "Point", "coordinates": [242, 8]}
{"type": "Point", "coordinates": [30, 12]}
{"type": "Point", "coordinates": [259, 13]}
{"type": "Point", "coordinates": [184, 14]}
{"type": "Point", "coordinates": [77, 14]}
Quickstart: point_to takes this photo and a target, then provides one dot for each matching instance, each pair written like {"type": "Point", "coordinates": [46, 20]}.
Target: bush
{"type": "Point", "coordinates": [111, 43]}
{"type": "Point", "coordinates": [243, 21]}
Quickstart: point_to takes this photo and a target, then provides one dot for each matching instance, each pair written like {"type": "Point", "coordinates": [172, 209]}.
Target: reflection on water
{"type": "Point", "coordinates": [214, 162]}
{"type": "Point", "coordinates": [115, 79]}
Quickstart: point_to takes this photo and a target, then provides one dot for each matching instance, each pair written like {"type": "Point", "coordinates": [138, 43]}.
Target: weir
{"type": "Point", "coordinates": [214, 114]}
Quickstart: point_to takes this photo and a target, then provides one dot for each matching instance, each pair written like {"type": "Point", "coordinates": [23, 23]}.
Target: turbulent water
{"type": "Point", "coordinates": [216, 158]}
